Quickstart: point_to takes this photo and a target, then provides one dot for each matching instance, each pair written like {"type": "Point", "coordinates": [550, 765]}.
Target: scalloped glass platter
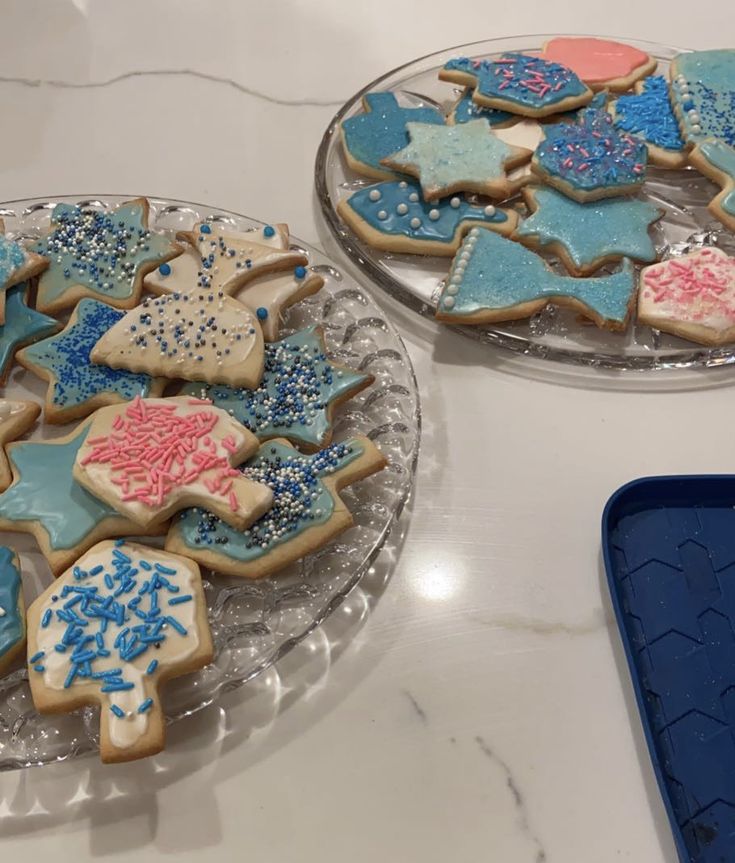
{"type": "Point", "coordinates": [253, 623]}
{"type": "Point", "coordinates": [556, 334]}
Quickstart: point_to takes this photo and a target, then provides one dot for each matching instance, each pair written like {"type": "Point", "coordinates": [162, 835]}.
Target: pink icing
{"type": "Point", "coordinates": [594, 60]}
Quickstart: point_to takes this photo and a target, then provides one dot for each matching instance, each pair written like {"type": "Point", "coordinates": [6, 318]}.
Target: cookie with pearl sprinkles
{"type": "Point", "coordinates": [307, 510]}
{"type": "Point", "coordinates": [17, 264]}
{"type": "Point", "coordinates": [12, 610]}
{"type": "Point", "coordinates": [691, 296]}
{"type": "Point", "coordinates": [201, 336]}
{"type": "Point", "coordinates": [103, 255]}
{"type": "Point", "coordinates": [153, 457]}
{"type": "Point", "coordinates": [703, 94]}
{"type": "Point", "coordinates": [395, 217]}
{"type": "Point", "coordinates": [494, 279]}
{"type": "Point", "coordinates": [603, 64]}
{"type": "Point", "coordinates": [114, 627]}
{"type": "Point", "coordinates": [300, 390]}
{"type": "Point", "coordinates": [716, 160]}
{"type": "Point", "coordinates": [16, 418]}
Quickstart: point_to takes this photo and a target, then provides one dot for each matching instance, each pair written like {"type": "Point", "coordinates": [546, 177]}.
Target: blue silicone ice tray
{"type": "Point", "coordinates": [669, 548]}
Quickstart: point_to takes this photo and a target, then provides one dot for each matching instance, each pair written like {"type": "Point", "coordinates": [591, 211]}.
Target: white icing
{"type": "Point", "coordinates": [273, 292]}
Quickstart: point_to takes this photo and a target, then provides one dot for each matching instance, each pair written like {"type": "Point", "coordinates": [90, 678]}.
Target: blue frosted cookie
{"type": "Point", "coordinates": [703, 95]}
{"type": "Point", "coordinates": [12, 609]}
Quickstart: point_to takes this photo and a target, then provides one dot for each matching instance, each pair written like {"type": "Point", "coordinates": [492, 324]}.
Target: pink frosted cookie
{"type": "Point", "coordinates": [692, 296]}
{"type": "Point", "coordinates": [600, 63]}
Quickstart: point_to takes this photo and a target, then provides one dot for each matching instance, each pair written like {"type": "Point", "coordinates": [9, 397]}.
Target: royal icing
{"type": "Point", "coordinates": [152, 457]}
{"type": "Point", "coordinates": [294, 400]}
{"type": "Point", "coordinates": [648, 115]}
{"type": "Point", "coordinates": [697, 288]}
{"type": "Point", "coordinates": [596, 61]}
{"type": "Point", "coordinates": [492, 273]}
{"type": "Point", "coordinates": [590, 232]}
{"type": "Point", "coordinates": [398, 209]}
{"type": "Point", "coordinates": [105, 253]}
{"type": "Point", "coordinates": [121, 615]}
{"type": "Point", "coordinates": [591, 155]}
{"type": "Point", "coordinates": [268, 296]}
{"type": "Point", "coordinates": [13, 258]}
{"type": "Point", "coordinates": [66, 359]}
{"type": "Point", "coordinates": [520, 80]}
{"type": "Point", "coordinates": [12, 619]}
{"type": "Point", "coordinates": [381, 129]}
{"type": "Point", "coordinates": [465, 110]}
{"type": "Point", "coordinates": [203, 336]}
{"type": "Point", "coordinates": [703, 93]}
{"type": "Point", "coordinates": [721, 157]}
{"type": "Point", "coordinates": [22, 326]}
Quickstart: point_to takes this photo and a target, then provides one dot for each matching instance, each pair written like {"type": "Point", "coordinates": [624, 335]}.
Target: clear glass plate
{"type": "Point", "coordinates": [557, 334]}
{"type": "Point", "coordinates": [253, 623]}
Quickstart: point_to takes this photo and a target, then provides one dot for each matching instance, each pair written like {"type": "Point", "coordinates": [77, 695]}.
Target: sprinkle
{"type": "Point", "coordinates": [46, 619]}
{"type": "Point", "coordinates": [153, 665]}
{"type": "Point", "coordinates": [119, 712]}
{"type": "Point", "coordinates": [269, 231]}
{"type": "Point", "coordinates": [177, 600]}
{"type": "Point", "coordinates": [40, 654]}
{"type": "Point", "coordinates": [145, 705]}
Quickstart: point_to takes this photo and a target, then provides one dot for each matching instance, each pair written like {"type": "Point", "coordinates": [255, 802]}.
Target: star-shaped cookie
{"type": "Point", "coordinates": [99, 254]}
{"type": "Point", "coordinates": [77, 386]}
{"type": "Point", "coordinates": [296, 399]}
{"type": "Point", "coordinates": [17, 264]}
{"type": "Point", "coordinates": [586, 236]}
{"type": "Point", "coordinates": [466, 157]}
{"type": "Point", "coordinates": [45, 500]}
{"type": "Point", "coordinates": [12, 609]}
{"type": "Point", "coordinates": [16, 417]}
{"type": "Point", "coordinates": [307, 510]}
{"type": "Point", "coordinates": [23, 326]}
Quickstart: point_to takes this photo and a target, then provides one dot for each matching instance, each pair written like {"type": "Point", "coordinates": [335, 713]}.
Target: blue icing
{"type": "Point", "coordinates": [612, 227]}
{"type": "Point", "coordinates": [12, 625]}
{"type": "Point", "coordinates": [398, 209]}
{"type": "Point", "coordinates": [46, 491]}
{"type": "Point", "coordinates": [381, 130]}
{"type": "Point", "coordinates": [298, 387]}
{"type": "Point", "coordinates": [22, 325]}
{"type": "Point", "coordinates": [722, 157]}
{"type": "Point", "coordinates": [590, 154]}
{"type": "Point", "coordinates": [521, 80]}
{"type": "Point", "coordinates": [466, 110]}
{"type": "Point", "coordinates": [300, 501]}
{"type": "Point", "coordinates": [66, 356]}
{"type": "Point", "coordinates": [12, 257]}
{"type": "Point", "coordinates": [703, 88]}
{"type": "Point", "coordinates": [493, 273]}
{"type": "Point", "coordinates": [648, 115]}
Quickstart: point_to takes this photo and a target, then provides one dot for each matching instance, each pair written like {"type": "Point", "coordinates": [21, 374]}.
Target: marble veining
{"type": "Point", "coordinates": [418, 709]}
{"type": "Point", "coordinates": [539, 626]}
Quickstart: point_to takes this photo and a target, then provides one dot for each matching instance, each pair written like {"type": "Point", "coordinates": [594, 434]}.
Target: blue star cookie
{"type": "Point", "coordinates": [76, 385]}
{"type": "Point", "coordinates": [518, 83]}
{"type": "Point", "coordinates": [46, 501]}
{"type": "Point", "coordinates": [12, 609]}
{"type": "Point", "coordinates": [395, 217]}
{"type": "Point", "coordinates": [703, 94]}
{"type": "Point", "coordinates": [716, 160]}
{"type": "Point", "coordinates": [590, 159]}
{"type": "Point", "coordinates": [494, 279]}
{"type": "Point", "coordinates": [464, 110]}
{"type": "Point", "coordinates": [297, 396]}
{"type": "Point", "coordinates": [586, 236]}
{"type": "Point", "coordinates": [379, 131]}
{"type": "Point", "coordinates": [23, 325]}
{"type": "Point", "coordinates": [307, 510]}
{"type": "Point", "coordinates": [17, 264]}
{"type": "Point", "coordinates": [101, 255]}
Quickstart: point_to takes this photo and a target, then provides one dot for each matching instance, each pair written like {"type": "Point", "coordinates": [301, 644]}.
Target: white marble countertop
{"type": "Point", "coordinates": [475, 706]}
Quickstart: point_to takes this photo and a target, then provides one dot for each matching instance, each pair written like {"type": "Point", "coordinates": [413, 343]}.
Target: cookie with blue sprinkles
{"type": "Point", "coordinates": [122, 620]}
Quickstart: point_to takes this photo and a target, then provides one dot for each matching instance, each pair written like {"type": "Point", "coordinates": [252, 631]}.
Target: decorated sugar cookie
{"type": "Point", "coordinates": [703, 94]}
{"type": "Point", "coordinates": [692, 296]}
{"type": "Point", "coordinates": [115, 626]}
{"type": "Point", "coordinates": [307, 510]}
{"type": "Point", "coordinates": [518, 83]}
{"type": "Point", "coordinates": [649, 116]}
{"type": "Point", "coordinates": [590, 159]}
{"type": "Point", "coordinates": [494, 279]}
{"type": "Point", "coordinates": [466, 157]}
{"type": "Point", "coordinates": [153, 457]}
{"type": "Point", "coordinates": [76, 385]}
{"type": "Point", "coordinates": [395, 217]}
{"type": "Point", "coordinates": [201, 336]}
{"type": "Point", "coordinates": [296, 399]}
{"type": "Point", "coordinates": [600, 63]}
{"type": "Point", "coordinates": [17, 264]}
{"type": "Point", "coordinates": [16, 418]}
{"type": "Point", "coordinates": [464, 110]}
{"type": "Point", "coordinates": [12, 610]}
{"type": "Point", "coordinates": [380, 130]}
{"type": "Point", "coordinates": [46, 501]}
{"type": "Point", "coordinates": [23, 326]}
{"type": "Point", "coordinates": [99, 255]}
{"type": "Point", "coordinates": [716, 160]}
{"type": "Point", "coordinates": [586, 236]}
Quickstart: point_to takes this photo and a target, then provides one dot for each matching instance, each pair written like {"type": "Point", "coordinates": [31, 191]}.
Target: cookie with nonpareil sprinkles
{"type": "Point", "coordinates": [300, 390]}
{"type": "Point", "coordinates": [703, 94]}
{"type": "Point", "coordinates": [691, 296]}
{"type": "Point", "coordinates": [307, 510]}
{"type": "Point", "coordinates": [77, 386]}
{"type": "Point", "coordinates": [201, 336]}
{"type": "Point", "coordinates": [17, 264]}
{"type": "Point", "coordinates": [12, 610]}
{"type": "Point", "coordinates": [116, 625]}
{"type": "Point", "coordinates": [16, 418]}
{"type": "Point", "coordinates": [99, 255]}
{"type": "Point", "coordinates": [153, 457]}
